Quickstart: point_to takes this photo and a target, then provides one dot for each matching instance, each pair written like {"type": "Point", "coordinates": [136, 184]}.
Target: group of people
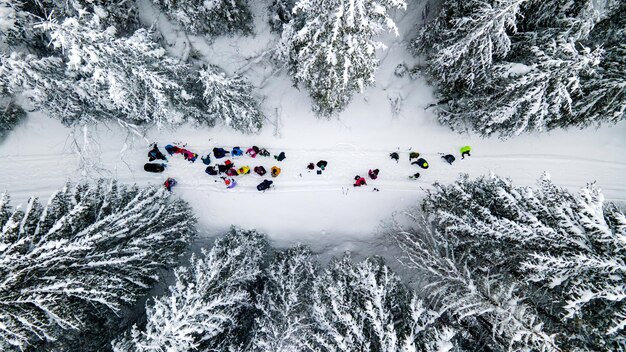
{"type": "Point", "coordinates": [230, 171]}
{"type": "Point", "coordinates": [320, 164]}
{"type": "Point", "coordinates": [422, 163]}
{"type": "Point", "coordinates": [227, 170]}
{"type": "Point", "coordinates": [155, 154]}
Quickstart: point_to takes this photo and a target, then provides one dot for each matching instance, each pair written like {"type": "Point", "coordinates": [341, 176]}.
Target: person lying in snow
{"type": "Point", "coordinates": [206, 160]}
{"type": "Point", "coordinates": [394, 156]}
{"type": "Point", "coordinates": [275, 171]}
{"type": "Point", "coordinates": [211, 170]}
{"type": "Point", "coordinates": [413, 155]}
{"type": "Point", "coordinates": [155, 153]}
{"type": "Point", "coordinates": [169, 183]}
{"type": "Point", "coordinates": [253, 151]}
{"type": "Point", "coordinates": [465, 151]}
{"type": "Point", "coordinates": [260, 170]}
{"type": "Point", "coordinates": [189, 156]}
{"type": "Point", "coordinates": [264, 152]}
{"type": "Point", "coordinates": [360, 181]}
{"type": "Point", "coordinates": [415, 176]}
{"type": "Point", "coordinates": [280, 157]}
{"type": "Point", "coordinates": [154, 167]}
{"type": "Point", "coordinates": [311, 166]}
{"type": "Point", "coordinates": [244, 170]}
{"type": "Point", "coordinates": [266, 184]}
{"type": "Point", "coordinates": [229, 182]}
{"type": "Point", "coordinates": [449, 158]}
{"type": "Point", "coordinates": [227, 165]}
{"type": "Point", "coordinates": [373, 174]}
{"type": "Point", "coordinates": [236, 151]}
{"type": "Point", "coordinates": [232, 172]}
{"type": "Point", "coordinates": [421, 162]}
{"type": "Point", "coordinates": [219, 153]}
{"type": "Point", "coordinates": [172, 149]}
{"type": "Point", "coordinates": [322, 164]}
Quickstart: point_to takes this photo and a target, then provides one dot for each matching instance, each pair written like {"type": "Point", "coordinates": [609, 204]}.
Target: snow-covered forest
{"type": "Point", "coordinates": [312, 175]}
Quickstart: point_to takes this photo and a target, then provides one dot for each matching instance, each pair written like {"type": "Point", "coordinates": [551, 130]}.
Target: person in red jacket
{"type": "Point", "coordinates": [169, 183]}
{"type": "Point", "coordinates": [359, 181]}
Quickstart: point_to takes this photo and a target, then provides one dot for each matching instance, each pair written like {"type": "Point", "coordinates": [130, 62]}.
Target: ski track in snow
{"type": "Point", "coordinates": [324, 211]}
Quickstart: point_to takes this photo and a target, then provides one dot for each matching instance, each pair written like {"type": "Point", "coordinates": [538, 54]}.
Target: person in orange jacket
{"type": "Point", "coordinates": [275, 171]}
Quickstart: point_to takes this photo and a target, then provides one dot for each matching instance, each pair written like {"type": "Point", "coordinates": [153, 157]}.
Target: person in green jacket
{"type": "Point", "coordinates": [465, 151]}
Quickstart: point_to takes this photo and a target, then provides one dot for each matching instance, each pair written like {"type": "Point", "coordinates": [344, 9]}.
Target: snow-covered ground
{"type": "Point", "coordinates": [322, 210]}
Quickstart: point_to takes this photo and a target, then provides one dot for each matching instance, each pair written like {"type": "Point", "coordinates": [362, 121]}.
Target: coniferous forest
{"type": "Point", "coordinates": [482, 263]}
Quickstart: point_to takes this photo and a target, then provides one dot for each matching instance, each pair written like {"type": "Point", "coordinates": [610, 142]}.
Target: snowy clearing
{"type": "Point", "coordinates": [38, 156]}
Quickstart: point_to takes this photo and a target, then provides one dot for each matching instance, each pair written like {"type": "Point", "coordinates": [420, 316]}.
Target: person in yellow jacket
{"type": "Point", "coordinates": [244, 170]}
{"type": "Point", "coordinates": [275, 171]}
{"type": "Point", "coordinates": [465, 150]}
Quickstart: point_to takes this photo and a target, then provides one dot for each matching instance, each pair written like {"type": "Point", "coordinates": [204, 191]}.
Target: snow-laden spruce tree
{"type": "Point", "coordinates": [14, 23]}
{"type": "Point", "coordinates": [511, 66]}
{"type": "Point", "coordinates": [603, 94]}
{"type": "Point", "coordinates": [331, 49]}
{"type": "Point", "coordinates": [69, 268]}
{"type": "Point", "coordinates": [123, 15]}
{"type": "Point", "coordinates": [463, 42]}
{"type": "Point", "coordinates": [365, 307]}
{"type": "Point", "coordinates": [280, 14]}
{"type": "Point", "coordinates": [209, 306]}
{"type": "Point", "coordinates": [117, 77]}
{"type": "Point", "coordinates": [284, 306]}
{"type": "Point", "coordinates": [538, 97]}
{"type": "Point", "coordinates": [213, 18]}
{"type": "Point", "coordinates": [230, 100]}
{"type": "Point", "coordinates": [10, 115]}
{"type": "Point", "coordinates": [489, 306]}
{"type": "Point", "coordinates": [42, 81]}
{"type": "Point", "coordinates": [571, 246]}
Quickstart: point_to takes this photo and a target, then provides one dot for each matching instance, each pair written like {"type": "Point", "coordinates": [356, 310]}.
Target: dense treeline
{"type": "Point", "coordinates": [511, 66]}
{"type": "Point", "coordinates": [84, 61]}
{"type": "Point", "coordinates": [71, 269]}
{"type": "Point", "coordinates": [523, 268]}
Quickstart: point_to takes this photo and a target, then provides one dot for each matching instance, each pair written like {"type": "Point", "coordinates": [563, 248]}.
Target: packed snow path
{"type": "Point", "coordinates": [38, 157]}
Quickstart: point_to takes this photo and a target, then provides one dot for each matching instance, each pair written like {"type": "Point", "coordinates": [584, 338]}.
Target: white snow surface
{"type": "Point", "coordinates": [38, 156]}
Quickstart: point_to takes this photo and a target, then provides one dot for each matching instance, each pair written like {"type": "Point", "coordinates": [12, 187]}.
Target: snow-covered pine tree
{"type": "Point", "coordinates": [13, 22]}
{"type": "Point", "coordinates": [331, 48]}
{"type": "Point", "coordinates": [603, 95]}
{"type": "Point", "coordinates": [499, 65]}
{"type": "Point", "coordinates": [43, 83]}
{"type": "Point", "coordinates": [230, 99]}
{"type": "Point", "coordinates": [539, 96]}
{"type": "Point", "coordinates": [283, 323]}
{"type": "Point", "coordinates": [365, 307]}
{"type": "Point", "coordinates": [123, 15]}
{"type": "Point", "coordinates": [69, 267]}
{"type": "Point", "coordinates": [280, 14]}
{"type": "Point", "coordinates": [463, 42]}
{"type": "Point", "coordinates": [213, 18]}
{"type": "Point", "coordinates": [572, 246]}
{"type": "Point", "coordinates": [10, 115]}
{"type": "Point", "coordinates": [209, 305]}
{"type": "Point", "coordinates": [489, 307]}
{"type": "Point", "coordinates": [129, 78]}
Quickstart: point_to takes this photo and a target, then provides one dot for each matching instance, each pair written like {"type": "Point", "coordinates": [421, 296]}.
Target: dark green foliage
{"type": "Point", "coordinates": [212, 18]}
{"type": "Point", "coordinates": [70, 269]}
{"type": "Point", "coordinates": [280, 14]}
{"type": "Point", "coordinates": [507, 67]}
{"type": "Point", "coordinates": [564, 252]}
{"type": "Point", "coordinates": [10, 115]}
